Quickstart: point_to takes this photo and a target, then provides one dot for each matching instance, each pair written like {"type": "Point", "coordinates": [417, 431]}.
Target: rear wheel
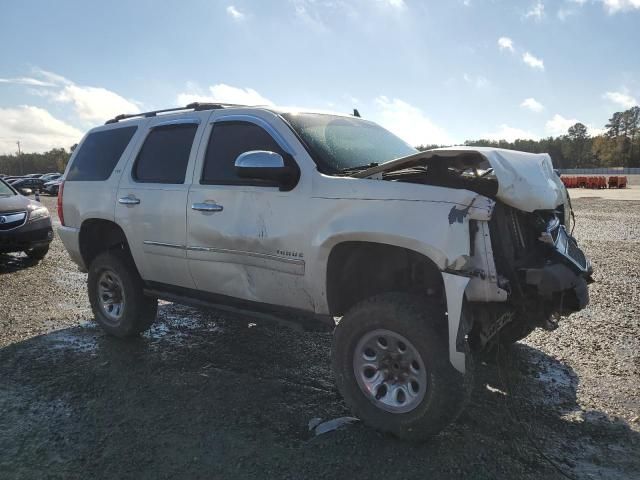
{"type": "Point", "coordinates": [391, 364]}
{"type": "Point", "coordinates": [116, 295]}
{"type": "Point", "coordinates": [37, 253]}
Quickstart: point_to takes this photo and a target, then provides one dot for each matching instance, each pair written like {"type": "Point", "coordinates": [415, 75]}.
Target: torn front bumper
{"type": "Point", "coordinates": [562, 281]}
{"type": "Point", "coordinates": [564, 288]}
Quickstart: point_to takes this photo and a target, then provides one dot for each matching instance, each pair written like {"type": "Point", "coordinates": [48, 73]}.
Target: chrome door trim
{"type": "Point", "coordinates": [162, 244]}
{"type": "Point", "coordinates": [266, 256]}
{"type": "Point", "coordinates": [129, 200]}
{"type": "Point", "coordinates": [206, 207]}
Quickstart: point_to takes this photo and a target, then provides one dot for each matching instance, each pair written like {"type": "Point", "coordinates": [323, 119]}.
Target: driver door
{"type": "Point", "coordinates": [240, 240]}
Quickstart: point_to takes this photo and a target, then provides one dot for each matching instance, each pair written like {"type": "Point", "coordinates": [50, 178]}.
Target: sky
{"type": "Point", "coordinates": [433, 72]}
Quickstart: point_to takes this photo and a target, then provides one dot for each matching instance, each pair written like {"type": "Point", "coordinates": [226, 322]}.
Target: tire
{"type": "Point", "coordinates": [116, 295]}
{"type": "Point", "coordinates": [37, 253]}
{"type": "Point", "coordinates": [410, 317]}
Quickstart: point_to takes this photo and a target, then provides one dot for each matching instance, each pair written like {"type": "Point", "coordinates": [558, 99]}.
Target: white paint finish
{"type": "Point", "coordinates": [96, 199]}
{"type": "Point", "coordinates": [160, 217]}
{"type": "Point", "coordinates": [405, 215]}
{"type": "Point", "coordinates": [483, 208]}
{"type": "Point", "coordinates": [255, 248]}
{"type": "Point", "coordinates": [484, 289]}
{"type": "Point", "coordinates": [273, 247]}
{"type": "Point", "coordinates": [455, 286]}
{"type": "Point", "coordinates": [70, 237]}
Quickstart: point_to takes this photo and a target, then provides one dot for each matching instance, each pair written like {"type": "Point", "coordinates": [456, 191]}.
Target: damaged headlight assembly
{"type": "Point", "coordinates": [555, 235]}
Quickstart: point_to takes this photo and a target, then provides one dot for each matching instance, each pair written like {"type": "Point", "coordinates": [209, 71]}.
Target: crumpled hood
{"type": "Point", "coordinates": [526, 181]}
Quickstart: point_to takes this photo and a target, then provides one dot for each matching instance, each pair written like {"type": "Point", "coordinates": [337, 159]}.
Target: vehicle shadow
{"type": "Point", "coordinates": [10, 263]}
{"type": "Point", "coordinates": [206, 394]}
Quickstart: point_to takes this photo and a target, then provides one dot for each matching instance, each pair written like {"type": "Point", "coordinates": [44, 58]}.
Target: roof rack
{"type": "Point", "coordinates": [195, 106]}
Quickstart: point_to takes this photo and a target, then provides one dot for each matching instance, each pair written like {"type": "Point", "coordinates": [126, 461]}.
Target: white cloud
{"type": "Point", "coordinates": [532, 61]}
{"type": "Point", "coordinates": [621, 98]}
{"type": "Point", "coordinates": [95, 104]}
{"type": "Point", "coordinates": [51, 77]}
{"type": "Point", "coordinates": [234, 13]}
{"type": "Point", "coordinates": [505, 43]}
{"type": "Point", "coordinates": [90, 104]}
{"type": "Point", "coordinates": [565, 13]}
{"type": "Point", "coordinates": [225, 94]}
{"type": "Point", "coordinates": [409, 122]}
{"type": "Point", "coordinates": [32, 82]}
{"type": "Point", "coordinates": [558, 125]}
{"type": "Point", "coordinates": [306, 12]}
{"type": "Point", "coordinates": [536, 11]}
{"type": "Point", "coordinates": [395, 3]}
{"type": "Point", "coordinates": [508, 133]}
{"type": "Point", "coordinates": [615, 6]}
{"type": "Point", "coordinates": [477, 81]}
{"type": "Point", "coordinates": [532, 104]}
{"type": "Point", "coordinates": [35, 128]}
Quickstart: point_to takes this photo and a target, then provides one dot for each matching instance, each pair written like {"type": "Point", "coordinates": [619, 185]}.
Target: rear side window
{"type": "Point", "coordinates": [165, 154]}
{"type": "Point", "coordinates": [227, 141]}
{"type": "Point", "coordinates": [99, 154]}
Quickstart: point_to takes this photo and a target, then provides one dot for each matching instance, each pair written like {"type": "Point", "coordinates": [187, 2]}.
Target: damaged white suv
{"type": "Point", "coordinates": [423, 258]}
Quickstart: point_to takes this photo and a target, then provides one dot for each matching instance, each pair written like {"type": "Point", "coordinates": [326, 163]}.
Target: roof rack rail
{"type": "Point", "coordinates": [195, 106]}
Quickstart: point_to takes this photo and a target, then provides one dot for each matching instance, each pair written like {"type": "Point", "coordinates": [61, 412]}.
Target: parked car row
{"type": "Point", "coordinates": [35, 182]}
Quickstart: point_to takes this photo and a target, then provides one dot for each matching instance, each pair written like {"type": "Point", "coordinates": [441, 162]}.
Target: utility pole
{"type": "Point", "coordinates": [20, 158]}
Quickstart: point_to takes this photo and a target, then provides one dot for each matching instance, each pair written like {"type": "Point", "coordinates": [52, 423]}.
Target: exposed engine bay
{"type": "Point", "coordinates": [537, 271]}
{"type": "Point", "coordinates": [466, 172]}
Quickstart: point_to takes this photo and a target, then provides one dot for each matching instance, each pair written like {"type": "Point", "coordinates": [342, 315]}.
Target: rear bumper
{"type": "Point", "coordinates": [32, 235]}
{"type": "Point", "coordinates": [71, 240]}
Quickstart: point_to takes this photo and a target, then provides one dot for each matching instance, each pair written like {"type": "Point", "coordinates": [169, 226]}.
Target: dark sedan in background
{"type": "Point", "coordinates": [25, 225]}
{"type": "Point", "coordinates": [34, 184]}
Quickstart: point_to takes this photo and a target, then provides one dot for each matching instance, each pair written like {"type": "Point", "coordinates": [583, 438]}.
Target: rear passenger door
{"type": "Point", "coordinates": [152, 198]}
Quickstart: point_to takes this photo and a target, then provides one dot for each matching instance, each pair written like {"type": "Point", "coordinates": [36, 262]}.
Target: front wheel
{"type": "Point", "coordinates": [116, 295]}
{"type": "Point", "coordinates": [391, 363]}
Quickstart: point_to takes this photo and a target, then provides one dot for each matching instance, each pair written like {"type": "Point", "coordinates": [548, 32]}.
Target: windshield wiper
{"type": "Point", "coordinates": [358, 168]}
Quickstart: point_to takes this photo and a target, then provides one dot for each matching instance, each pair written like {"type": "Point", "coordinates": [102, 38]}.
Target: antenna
{"type": "Point", "coordinates": [356, 113]}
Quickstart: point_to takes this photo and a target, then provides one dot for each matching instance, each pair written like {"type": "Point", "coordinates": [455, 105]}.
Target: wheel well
{"type": "Point", "coordinates": [359, 270]}
{"type": "Point", "coordinates": [98, 235]}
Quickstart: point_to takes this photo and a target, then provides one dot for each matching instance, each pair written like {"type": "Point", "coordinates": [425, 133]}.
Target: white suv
{"type": "Point", "coordinates": [423, 258]}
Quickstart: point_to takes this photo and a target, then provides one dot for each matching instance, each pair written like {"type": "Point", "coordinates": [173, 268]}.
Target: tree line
{"type": "Point", "coordinates": [55, 160]}
{"type": "Point", "coordinates": [618, 146]}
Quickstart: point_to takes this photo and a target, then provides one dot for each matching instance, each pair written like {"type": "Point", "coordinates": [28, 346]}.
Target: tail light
{"type": "Point", "coordinates": [60, 211]}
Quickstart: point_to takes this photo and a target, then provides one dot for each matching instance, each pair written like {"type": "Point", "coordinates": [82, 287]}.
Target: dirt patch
{"type": "Point", "coordinates": [207, 394]}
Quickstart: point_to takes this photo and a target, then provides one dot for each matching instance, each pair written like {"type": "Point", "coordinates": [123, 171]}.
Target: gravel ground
{"type": "Point", "coordinates": [206, 394]}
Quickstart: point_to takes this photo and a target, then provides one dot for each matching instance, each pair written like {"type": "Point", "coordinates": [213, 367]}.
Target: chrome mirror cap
{"type": "Point", "coordinates": [259, 159]}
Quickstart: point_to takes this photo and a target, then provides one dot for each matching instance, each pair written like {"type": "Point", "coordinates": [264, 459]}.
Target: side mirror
{"type": "Point", "coordinates": [25, 191]}
{"type": "Point", "coordinates": [263, 165]}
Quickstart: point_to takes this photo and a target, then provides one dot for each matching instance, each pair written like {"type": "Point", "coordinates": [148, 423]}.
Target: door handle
{"type": "Point", "coordinates": [206, 207]}
{"type": "Point", "coordinates": [129, 200]}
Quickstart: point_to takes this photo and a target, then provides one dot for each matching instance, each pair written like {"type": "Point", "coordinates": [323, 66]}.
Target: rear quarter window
{"type": "Point", "coordinates": [99, 154]}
